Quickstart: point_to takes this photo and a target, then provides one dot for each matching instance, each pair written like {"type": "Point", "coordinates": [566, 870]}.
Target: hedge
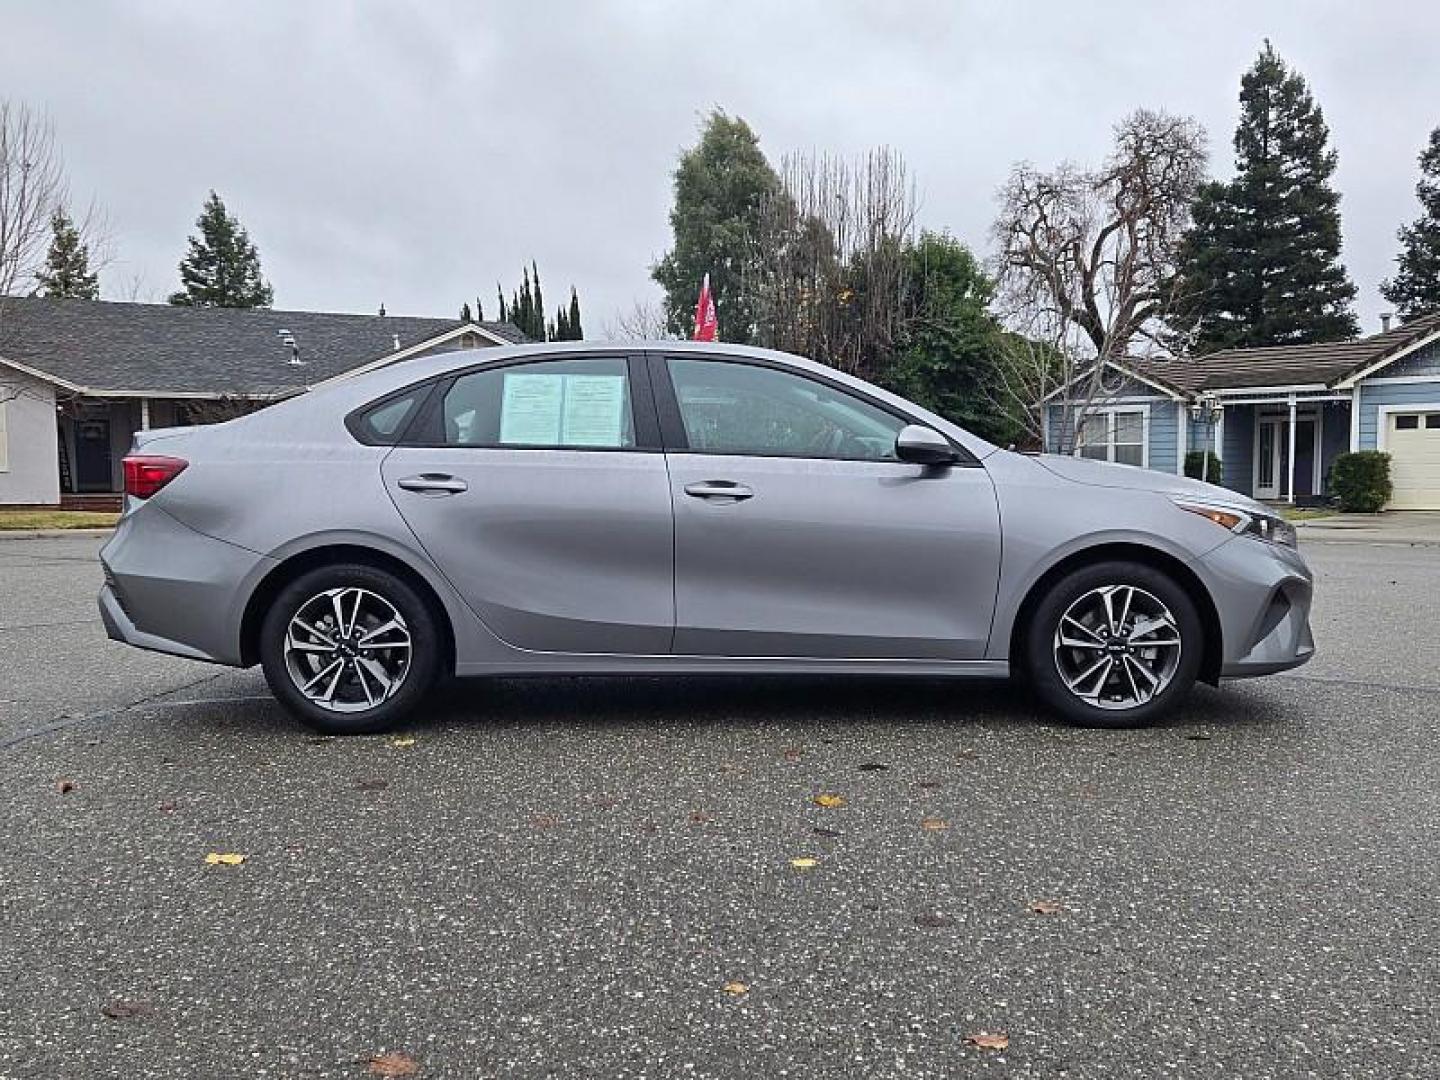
{"type": "Point", "coordinates": [1361, 481]}
{"type": "Point", "coordinates": [1194, 462]}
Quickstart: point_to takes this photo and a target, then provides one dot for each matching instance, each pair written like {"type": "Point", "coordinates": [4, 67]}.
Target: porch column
{"type": "Point", "coordinates": [144, 414]}
{"type": "Point", "coordinates": [1290, 473]}
{"type": "Point", "coordinates": [1182, 443]}
{"type": "Point", "coordinates": [1354, 418]}
{"type": "Point", "coordinates": [1218, 431]}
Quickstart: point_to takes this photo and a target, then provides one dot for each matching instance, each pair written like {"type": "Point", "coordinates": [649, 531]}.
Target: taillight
{"type": "Point", "coordinates": [145, 474]}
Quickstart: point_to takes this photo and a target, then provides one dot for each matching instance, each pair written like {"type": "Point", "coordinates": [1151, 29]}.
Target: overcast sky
{"type": "Point", "coordinates": [415, 153]}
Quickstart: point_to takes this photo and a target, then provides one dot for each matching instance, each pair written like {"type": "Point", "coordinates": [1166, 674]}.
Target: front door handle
{"type": "Point", "coordinates": [718, 489]}
{"type": "Point", "coordinates": [434, 484]}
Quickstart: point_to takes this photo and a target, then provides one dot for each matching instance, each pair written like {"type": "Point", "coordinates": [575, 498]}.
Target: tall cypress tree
{"type": "Point", "coordinates": [1415, 290]}
{"type": "Point", "coordinates": [465, 312]}
{"type": "Point", "coordinates": [577, 333]}
{"type": "Point", "coordinates": [67, 270]}
{"type": "Point", "coordinates": [1261, 264]}
{"type": "Point", "coordinates": [222, 268]}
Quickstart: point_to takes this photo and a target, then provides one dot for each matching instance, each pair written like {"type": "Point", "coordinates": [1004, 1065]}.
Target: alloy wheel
{"type": "Point", "coordinates": [347, 649]}
{"type": "Point", "coordinates": [1117, 647]}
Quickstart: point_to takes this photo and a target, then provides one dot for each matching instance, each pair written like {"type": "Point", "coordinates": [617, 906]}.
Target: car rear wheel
{"type": "Point", "coordinates": [349, 649]}
{"type": "Point", "coordinates": [1116, 644]}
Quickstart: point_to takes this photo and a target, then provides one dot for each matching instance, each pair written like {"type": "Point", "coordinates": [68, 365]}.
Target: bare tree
{"type": "Point", "coordinates": [832, 258]}
{"type": "Point", "coordinates": [642, 321]}
{"type": "Point", "coordinates": [1086, 265]}
{"type": "Point", "coordinates": [32, 188]}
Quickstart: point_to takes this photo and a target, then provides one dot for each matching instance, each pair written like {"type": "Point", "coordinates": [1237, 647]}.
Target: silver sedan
{"type": "Point", "coordinates": [678, 508]}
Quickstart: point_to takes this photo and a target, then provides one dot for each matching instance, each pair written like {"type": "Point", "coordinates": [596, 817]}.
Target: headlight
{"type": "Point", "coordinates": [1267, 527]}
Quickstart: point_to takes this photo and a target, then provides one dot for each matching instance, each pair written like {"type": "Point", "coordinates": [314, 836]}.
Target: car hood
{"type": "Point", "coordinates": [1104, 474]}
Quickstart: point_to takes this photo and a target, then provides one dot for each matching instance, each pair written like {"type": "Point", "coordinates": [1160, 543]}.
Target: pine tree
{"type": "Point", "coordinates": [721, 186]}
{"type": "Point", "coordinates": [577, 333]}
{"type": "Point", "coordinates": [1261, 263]}
{"type": "Point", "coordinates": [67, 270]}
{"type": "Point", "coordinates": [479, 310]}
{"type": "Point", "coordinates": [500, 295]}
{"type": "Point", "coordinates": [539, 302]}
{"type": "Point", "coordinates": [1415, 290]}
{"type": "Point", "coordinates": [222, 268]}
{"type": "Point", "coordinates": [465, 312]}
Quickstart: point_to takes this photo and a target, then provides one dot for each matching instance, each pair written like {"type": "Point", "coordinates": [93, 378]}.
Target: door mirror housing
{"type": "Point", "coordinates": [921, 445]}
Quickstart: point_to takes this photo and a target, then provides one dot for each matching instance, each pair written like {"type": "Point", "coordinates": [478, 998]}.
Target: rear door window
{"type": "Point", "coordinates": [557, 404]}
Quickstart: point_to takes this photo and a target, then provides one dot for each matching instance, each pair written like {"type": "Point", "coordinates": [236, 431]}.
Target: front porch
{"type": "Point", "coordinates": [1277, 447]}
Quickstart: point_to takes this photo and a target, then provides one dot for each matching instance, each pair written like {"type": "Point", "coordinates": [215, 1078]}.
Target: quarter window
{"type": "Point", "coordinates": [559, 404]}
{"type": "Point", "coordinates": [733, 408]}
{"type": "Point", "coordinates": [1114, 435]}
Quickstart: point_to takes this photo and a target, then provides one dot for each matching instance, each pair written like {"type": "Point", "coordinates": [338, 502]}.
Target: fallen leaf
{"type": "Point", "coordinates": [700, 817]}
{"type": "Point", "coordinates": [403, 741]}
{"type": "Point", "coordinates": [933, 920]}
{"type": "Point", "coordinates": [988, 1040]}
{"type": "Point", "coordinates": [64, 787]}
{"type": "Point", "coordinates": [167, 807]}
{"type": "Point", "coordinates": [735, 989]}
{"type": "Point", "coordinates": [1046, 907]}
{"type": "Point", "coordinates": [544, 821]}
{"type": "Point", "coordinates": [395, 1063]}
{"type": "Point", "coordinates": [373, 783]}
{"type": "Point", "coordinates": [934, 824]}
{"type": "Point", "coordinates": [124, 1010]}
{"type": "Point", "coordinates": [224, 858]}
{"type": "Point", "coordinates": [804, 863]}
{"type": "Point", "coordinates": [829, 801]}
{"type": "Point", "coordinates": [791, 753]}
{"type": "Point", "coordinates": [820, 830]}
{"type": "Point", "coordinates": [873, 766]}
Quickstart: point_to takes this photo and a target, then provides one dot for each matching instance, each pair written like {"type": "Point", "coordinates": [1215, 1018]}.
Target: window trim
{"type": "Point", "coordinates": [1110, 412]}
{"type": "Point", "coordinates": [426, 428]}
{"type": "Point", "coordinates": [672, 421]}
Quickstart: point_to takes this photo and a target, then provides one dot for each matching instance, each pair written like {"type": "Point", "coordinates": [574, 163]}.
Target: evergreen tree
{"type": "Point", "coordinates": [577, 333]}
{"type": "Point", "coordinates": [1415, 290]}
{"type": "Point", "coordinates": [479, 310]}
{"type": "Point", "coordinates": [500, 295]}
{"type": "Point", "coordinates": [67, 270]}
{"type": "Point", "coordinates": [222, 268]}
{"type": "Point", "coordinates": [465, 312]}
{"type": "Point", "coordinates": [1261, 263]}
{"type": "Point", "coordinates": [539, 302]}
{"type": "Point", "coordinates": [721, 185]}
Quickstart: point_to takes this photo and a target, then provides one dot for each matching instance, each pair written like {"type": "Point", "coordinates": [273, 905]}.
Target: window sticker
{"type": "Point", "coordinates": [530, 409]}
{"type": "Point", "coordinates": [562, 410]}
{"type": "Point", "coordinates": [594, 408]}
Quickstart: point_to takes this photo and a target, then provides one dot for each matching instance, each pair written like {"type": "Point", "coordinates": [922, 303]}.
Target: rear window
{"type": "Point", "coordinates": [386, 422]}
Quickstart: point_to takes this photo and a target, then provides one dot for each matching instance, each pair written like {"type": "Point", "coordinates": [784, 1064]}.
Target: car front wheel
{"type": "Point", "coordinates": [1115, 644]}
{"type": "Point", "coordinates": [349, 649]}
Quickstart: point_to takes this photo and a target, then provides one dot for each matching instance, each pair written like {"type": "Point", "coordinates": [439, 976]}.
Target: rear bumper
{"type": "Point", "coordinates": [171, 589]}
{"type": "Point", "coordinates": [1263, 594]}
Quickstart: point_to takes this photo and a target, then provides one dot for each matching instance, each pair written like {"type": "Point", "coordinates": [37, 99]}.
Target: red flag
{"type": "Point", "coordinates": [707, 325]}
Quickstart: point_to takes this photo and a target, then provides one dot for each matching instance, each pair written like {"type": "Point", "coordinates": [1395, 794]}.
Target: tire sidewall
{"type": "Point", "coordinates": [425, 648]}
{"type": "Point", "coordinates": [1039, 643]}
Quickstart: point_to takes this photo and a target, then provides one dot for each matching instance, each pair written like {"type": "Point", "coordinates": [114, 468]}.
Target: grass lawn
{"type": "Point", "coordinates": [1306, 513]}
{"type": "Point", "coordinates": [11, 520]}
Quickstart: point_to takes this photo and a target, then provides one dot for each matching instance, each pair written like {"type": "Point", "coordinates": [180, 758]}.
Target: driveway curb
{"type": "Point", "coordinates": [39, 534]}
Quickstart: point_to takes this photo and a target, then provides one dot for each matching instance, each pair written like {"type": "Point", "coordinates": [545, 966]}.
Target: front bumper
{"type": "Point", "coordinates": [1262, 593]}
{"type": "Point", "coordinates": [171, 589]}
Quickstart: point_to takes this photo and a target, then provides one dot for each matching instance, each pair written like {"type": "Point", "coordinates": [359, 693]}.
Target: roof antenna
{"type": "Point", "coordinates": [395, 339]}
{"type": "Point", "coordinates": [382, 309]}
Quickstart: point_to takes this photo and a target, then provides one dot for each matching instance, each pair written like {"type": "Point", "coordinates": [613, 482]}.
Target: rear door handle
{"type": "Point", "coordinates": [434, 484]}
{"type": "Point", "coordinates": [718, 489]}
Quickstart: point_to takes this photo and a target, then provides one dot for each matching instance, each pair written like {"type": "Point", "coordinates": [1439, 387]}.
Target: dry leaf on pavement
{"type": "Point", "coordinates": [934, 824]}
{"type": "Point", "coordinates": [124, 1010]}
{"type": "Point", "coordinates": [403, 741]}
{"type": "Point", "coordinates": [829, 801]}
{"type": "Point", "coordinates": [224, 858]}
{"type": "Point", "coordinates": [804, 863]}
{"type": "Point", "coordinates": [735, 989]}
{"type": "Point", "coordinates": [988, 1040]}
{"type": "Point", "coordinates": [792, 753]}
{"type": "Point", "coordinates": [395, 1063]}
{"type": "Point", "coordinates": [64, 787]}
{"type": "Point", "coordinates": [1046, 907]}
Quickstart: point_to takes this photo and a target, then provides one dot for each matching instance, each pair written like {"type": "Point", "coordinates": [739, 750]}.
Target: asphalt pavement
{"type": "Point", "coordinates": [577, 878]}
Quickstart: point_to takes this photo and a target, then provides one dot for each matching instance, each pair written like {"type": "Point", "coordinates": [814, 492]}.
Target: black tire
{"type": "Point", "coordinates": [1042, 664]}
{"type": "Point", "coordinates": [419, 676]}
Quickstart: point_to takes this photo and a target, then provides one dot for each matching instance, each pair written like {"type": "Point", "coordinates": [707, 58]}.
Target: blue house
{"type": "Point", "coordinates": [1276, 417]}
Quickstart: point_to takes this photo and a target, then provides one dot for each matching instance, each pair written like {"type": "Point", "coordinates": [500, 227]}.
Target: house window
{"type": "Point", "coordinates": [1116, 435]}
{"type": "Point", "coordinates": [1410, 422]}
{"type": "Point", "coordinates": [1432, 421]}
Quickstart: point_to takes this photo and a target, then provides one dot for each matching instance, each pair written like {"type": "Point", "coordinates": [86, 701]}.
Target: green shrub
{"type": "Point", "coordinates": [1361, 481]}
{"type": "Point", "coordinates": [1195, 464]}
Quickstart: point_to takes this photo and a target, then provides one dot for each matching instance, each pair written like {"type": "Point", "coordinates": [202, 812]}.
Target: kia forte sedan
{"type": "Point", "coordinates": [678, 508]}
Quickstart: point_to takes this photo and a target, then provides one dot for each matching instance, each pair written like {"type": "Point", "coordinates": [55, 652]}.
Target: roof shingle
{"type": "Point", "coordinates": [158, 348]}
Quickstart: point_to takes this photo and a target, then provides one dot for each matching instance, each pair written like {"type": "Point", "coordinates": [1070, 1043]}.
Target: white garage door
{"type": "Point", "coordinates": [1413, 440]}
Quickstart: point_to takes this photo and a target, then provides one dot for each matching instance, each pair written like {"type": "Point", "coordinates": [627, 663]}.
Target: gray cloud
{"type": "Point", "coordinates": [413, 154]}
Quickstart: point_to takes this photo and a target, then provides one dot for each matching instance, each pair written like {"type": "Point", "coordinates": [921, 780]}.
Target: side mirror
{"type": "Point", "coordinates": [924, 446]}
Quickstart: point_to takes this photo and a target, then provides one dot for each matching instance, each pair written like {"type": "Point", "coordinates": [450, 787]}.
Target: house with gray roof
{"type": "Point", "coordinates": [79, 377]}
{"type": "Point", "coordinates": [1276, 417]}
